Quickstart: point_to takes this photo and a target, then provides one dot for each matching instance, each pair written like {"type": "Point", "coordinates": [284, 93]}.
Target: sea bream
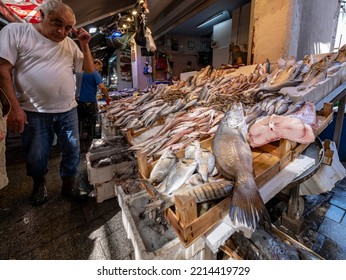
{"type": "Point", "coordinates": [177, 176]}
{"type": "Point", "coordinates": [234, 161]}
{"type": "Point", "coordinates": [205, 159]}
{"type": "Point", "coordinates": [163, 166]}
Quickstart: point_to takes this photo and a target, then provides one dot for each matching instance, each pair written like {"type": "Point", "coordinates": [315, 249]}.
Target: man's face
{"type": "Point", "coordinates": [57, 25]}
{"type": "Point", "coordinates": [98, 67]}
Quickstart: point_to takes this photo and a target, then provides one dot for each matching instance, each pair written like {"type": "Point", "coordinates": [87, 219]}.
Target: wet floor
{"type": "Point", "coordinates": [63, 229]}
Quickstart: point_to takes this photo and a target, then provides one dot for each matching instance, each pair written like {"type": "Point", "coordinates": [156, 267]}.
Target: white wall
{"type": "Point", "coordinates": [318, 27]}
{"type": "Point", "coordinates": [222, 39]}
{"type": "Point", "coordinates": [284, 28]}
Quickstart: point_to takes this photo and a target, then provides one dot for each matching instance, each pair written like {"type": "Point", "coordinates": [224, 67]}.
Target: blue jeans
{"type": "Point", "coordinates": [37, 140]}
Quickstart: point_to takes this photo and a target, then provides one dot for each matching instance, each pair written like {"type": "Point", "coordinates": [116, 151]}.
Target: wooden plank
{"type": "Point", "coordinates": [199, 226]}
{"type": "Point", "coordinates": [285, 147]}
{"type": "Point", "coordinates": [230, 252]}
{"type": "Point", "coordinates": [186, 208]}
{"type": "Point", "coordinates": [265, 167]}
{"type": "Point", "coordinates": [283, 236]}
{"type": "Point", "coordinates": [143, 167]}
{"type": "Point", "coordinates": [323, 123]}
{"type": "Point", "coordinates": [271, 148]}
{"type": "Point", "coordinates": [178, 227]}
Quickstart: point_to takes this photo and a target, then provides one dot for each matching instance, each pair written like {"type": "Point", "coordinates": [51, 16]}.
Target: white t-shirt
{"type": "Point", "coordinates": [43, 69]}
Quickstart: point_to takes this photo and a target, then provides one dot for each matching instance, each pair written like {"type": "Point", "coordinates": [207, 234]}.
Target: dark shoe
{"type": "Point", "coordinates": [69, 189]}
{"type": "Point", "coordinates": [39, 193]}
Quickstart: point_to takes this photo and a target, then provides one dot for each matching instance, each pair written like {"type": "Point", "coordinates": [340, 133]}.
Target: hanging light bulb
{"type": "Point", "coordinates": [134, 12]}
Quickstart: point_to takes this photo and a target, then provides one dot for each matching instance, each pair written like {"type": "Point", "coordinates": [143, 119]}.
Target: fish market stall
{"type": "Point", "coordinates": [183, 128]}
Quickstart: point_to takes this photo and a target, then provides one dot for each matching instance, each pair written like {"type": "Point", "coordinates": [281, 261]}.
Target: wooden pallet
{"type": "Point", "coordinates": [268, 160]}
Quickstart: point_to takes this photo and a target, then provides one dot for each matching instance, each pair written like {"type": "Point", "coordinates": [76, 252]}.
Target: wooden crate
{"type": "Point", "coordinates": [268, 160]}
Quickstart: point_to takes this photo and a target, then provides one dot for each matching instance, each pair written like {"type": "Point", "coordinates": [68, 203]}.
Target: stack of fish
{"type": "Point", "coordinates": [191, 175]}
{"type": "Point", "coordinates": [179, 130]}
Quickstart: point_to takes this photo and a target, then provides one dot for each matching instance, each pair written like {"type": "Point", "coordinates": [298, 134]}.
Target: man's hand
{"type": "Point", "coordinates": [16, 120]}
{"type": "Point", "coordinates": [83, 36]}
{"type": "Point", "coordinates": [108, 100]}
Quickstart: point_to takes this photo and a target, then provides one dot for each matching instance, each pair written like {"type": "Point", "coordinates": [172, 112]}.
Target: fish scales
{"type": "Point", "coordinates": [178, 175]}
{"type": "Point", "coordinates": [202, 193]}
{"type": "Point", "coordinates": [162, 167]}
{"type": "Point", "coordinates": [234, 161]}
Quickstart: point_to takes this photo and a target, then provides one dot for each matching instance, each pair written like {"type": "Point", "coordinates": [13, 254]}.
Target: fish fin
{"type": "Point", "coordinates": [247, 207]}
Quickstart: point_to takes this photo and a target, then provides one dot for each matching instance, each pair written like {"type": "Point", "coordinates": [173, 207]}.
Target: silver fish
{"type": "Point", "coordinates": [177, 176]}
{"type": "Point", "coordinates": [234, 161]}
{"type": "Point", "coordinates": [162, 167]}
{"type": "Point", "coordinates": [206, 163]}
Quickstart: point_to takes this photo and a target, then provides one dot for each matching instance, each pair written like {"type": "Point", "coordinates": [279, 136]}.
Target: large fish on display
{"type": "Point", "coordinates": [234, 161]}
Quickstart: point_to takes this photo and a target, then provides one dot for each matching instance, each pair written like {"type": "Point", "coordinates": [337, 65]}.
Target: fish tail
{"type": "Point", "coordinates": [247, 207]}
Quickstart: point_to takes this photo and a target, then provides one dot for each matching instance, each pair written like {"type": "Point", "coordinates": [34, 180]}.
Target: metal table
{"type": "Point", "coordinates": [293, 218]}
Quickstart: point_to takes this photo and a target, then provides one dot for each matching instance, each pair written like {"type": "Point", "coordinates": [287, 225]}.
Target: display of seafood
{"type": "Point", "coordinates": [237, 112]}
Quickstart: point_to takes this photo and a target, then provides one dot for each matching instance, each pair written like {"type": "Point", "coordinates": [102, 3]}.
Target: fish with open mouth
{"type": "Point", "coordinates": [234, 161]}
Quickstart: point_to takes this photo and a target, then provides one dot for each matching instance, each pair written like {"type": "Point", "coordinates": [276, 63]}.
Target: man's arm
{"type": "Point", "coordinates": [84, 38]}
{"type": "Point", "coordinates": [105, 92]}
{"type": "Point", "coordinates": [17, 117]}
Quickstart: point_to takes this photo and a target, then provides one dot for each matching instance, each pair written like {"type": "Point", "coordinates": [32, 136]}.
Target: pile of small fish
{"type": "Point", "coordinates": [192, 175]}
{"type": "Point", "coordinates": [265, 245]}
{"type": "Point", "coordinates": [179, 130]}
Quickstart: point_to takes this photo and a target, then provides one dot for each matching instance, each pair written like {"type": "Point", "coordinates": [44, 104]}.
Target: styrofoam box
{"type": "Point", "coordinates": [119, 192]}
{"type": "Point", "coordinates": [104, 191]}
{"type": "Point", "coordinates": [100, 175]}
{"type": "Point", "coordinates": [172, 250]}
{"type": "Point", "coordinates": [107, 129]}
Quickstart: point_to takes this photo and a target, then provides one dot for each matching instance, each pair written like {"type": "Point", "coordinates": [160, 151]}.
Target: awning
{"type": "Point", "coordinates": [86, 11]}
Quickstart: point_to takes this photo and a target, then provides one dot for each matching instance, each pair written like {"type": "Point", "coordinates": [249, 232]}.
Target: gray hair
{"type": "Point", "coordinates": [50, 6]}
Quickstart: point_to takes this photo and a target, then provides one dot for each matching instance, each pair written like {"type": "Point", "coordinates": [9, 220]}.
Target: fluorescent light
{"type": "Point", "coordinates": [92, 30]}
{"type": "Point", "coordinates": [211, 19]}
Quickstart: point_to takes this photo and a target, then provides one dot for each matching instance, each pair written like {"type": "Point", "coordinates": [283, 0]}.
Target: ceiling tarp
{"type": "Point", "coordinates": [86, 11]}
{"type": "Point", "coordinates": [7, 13]}
{"type": "Point", "coordinates": [25, 9]}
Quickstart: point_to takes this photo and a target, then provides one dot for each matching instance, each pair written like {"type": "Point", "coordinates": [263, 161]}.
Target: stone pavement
{"type": "Point", "coordinates": [60, 229]}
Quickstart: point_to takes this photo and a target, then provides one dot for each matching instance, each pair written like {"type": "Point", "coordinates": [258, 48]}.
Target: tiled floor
{"type": "Point", "coordinates": [63, 229]}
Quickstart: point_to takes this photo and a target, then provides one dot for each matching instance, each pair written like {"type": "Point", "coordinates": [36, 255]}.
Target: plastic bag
{"type": "Point", "coordinates": [150, 44]}
{"type": "Point", "coordinates": [140, 33]}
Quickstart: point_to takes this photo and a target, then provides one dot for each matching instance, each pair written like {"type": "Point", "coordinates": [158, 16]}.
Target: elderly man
{"type": "Point", "coordinates": [37, 65]}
